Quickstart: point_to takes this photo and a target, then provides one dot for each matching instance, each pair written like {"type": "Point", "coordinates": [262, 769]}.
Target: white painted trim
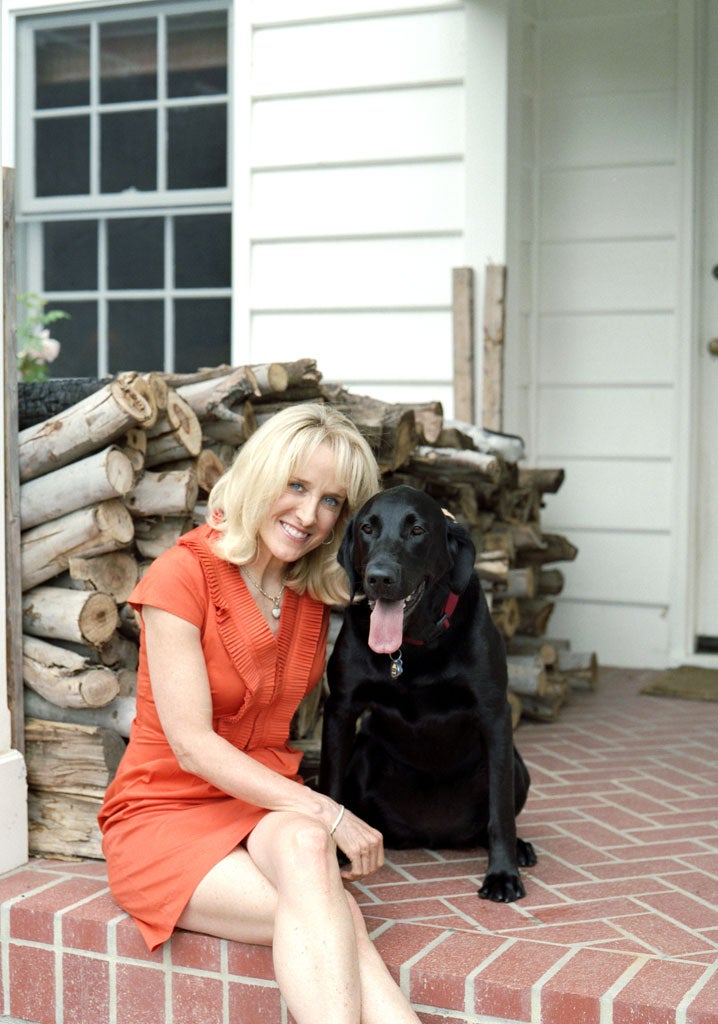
{"type": "Point", "coordinates": [682, 615]}
{"type": "Point", "coordinates": [13, 811]}
{"type": "Point", "coordinates": [240, 172]}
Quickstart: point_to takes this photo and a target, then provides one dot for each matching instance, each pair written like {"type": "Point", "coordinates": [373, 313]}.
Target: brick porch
{"type": "Point", "coordinates": [620, 924]}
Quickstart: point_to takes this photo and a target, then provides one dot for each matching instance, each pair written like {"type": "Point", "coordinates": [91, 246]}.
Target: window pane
{"type": "Point", "coordinates": [128, 61]}
{"type": "Point", "coordinates": [203, 251]}
{"type": "Point", "coordinates": [135, 251]}
{"type": "Point", "coordinates": [201, 333]}
{"type": "Point", "coordinates": [197, 54]}
{"type": "Point", "coordinates": [197, 147]}
{"type": "Point", "coordinates": [136, 336]}
{"type": "Point", "coordinates": [78, 340]}
{"type": "Point", "coordinates": [62, 156]}
{"type": "Point", "coordinates": [129, 151]}
{"type": "Point", "coordinates": [62, 67]}
{"type": "Point", "coordinates": [70, 255]}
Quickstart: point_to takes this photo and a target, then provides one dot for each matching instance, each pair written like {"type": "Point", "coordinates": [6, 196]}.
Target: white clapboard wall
{"type": "Point", "coordinates": [599, 261]}
{"type": "Point", "coordinates": [356, 190]}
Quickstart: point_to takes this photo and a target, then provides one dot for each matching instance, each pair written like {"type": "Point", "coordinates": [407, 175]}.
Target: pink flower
{"type": "Point", "coordinates": [50, 349]}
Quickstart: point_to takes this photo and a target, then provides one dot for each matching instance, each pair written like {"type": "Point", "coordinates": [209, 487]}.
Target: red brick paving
{"type": "Point", "coordinates": [619, 924]}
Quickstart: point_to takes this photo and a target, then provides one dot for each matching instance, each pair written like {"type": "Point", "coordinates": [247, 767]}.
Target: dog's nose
{"type": "Point", "coordinates": [380, 578]}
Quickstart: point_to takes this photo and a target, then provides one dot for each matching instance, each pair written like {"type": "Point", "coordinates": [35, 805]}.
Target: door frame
{"type": "Point", "coordinates": [692, 15]}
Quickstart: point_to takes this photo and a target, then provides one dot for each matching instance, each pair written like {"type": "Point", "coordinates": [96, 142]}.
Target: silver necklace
{"type": "Point", "coordinates": [276, 601]}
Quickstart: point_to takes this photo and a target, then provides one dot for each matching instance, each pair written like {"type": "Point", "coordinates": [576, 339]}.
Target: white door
{"type": "Point", "coordinates": [706, 625]}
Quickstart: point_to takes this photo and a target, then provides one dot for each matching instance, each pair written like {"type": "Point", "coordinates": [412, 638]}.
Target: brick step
{"type": "Point", "coordinates": [69, 956]}
{"type": "Point", "coordinates": [619, 924]}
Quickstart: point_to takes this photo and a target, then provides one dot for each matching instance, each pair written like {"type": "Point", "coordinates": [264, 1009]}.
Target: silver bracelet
{"type": "Point", "coordinates": [337, 822]}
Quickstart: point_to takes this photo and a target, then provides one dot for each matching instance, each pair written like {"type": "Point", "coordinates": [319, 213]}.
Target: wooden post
{"type": "Point", "coordinates": [13, 613]}
{"type": "Point", "coordinates": [463, 330]}
{"type": "Point", "coordinates": [493, 370]}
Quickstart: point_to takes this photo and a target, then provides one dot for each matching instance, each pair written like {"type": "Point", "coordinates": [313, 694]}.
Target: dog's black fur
{"type": "Point", "coordinates": [433, 764]}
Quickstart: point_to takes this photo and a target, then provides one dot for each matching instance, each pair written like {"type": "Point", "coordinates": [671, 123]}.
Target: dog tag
{"type": "Point", "coordinates": [396, 665]}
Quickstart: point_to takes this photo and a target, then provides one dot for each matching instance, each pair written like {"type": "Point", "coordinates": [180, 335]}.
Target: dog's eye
{"type": "Point", "coordinates": [416, 531]}
{"type": "Point", "coordinates": [366, 528]}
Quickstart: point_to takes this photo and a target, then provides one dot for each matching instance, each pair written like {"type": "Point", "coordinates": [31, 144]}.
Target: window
{"type": "Point", "coordinates": [123, 183]}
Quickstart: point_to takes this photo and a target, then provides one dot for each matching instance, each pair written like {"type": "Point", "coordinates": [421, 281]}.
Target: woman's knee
{"type": "Point", "coordinates": [309, 841]}
{"type": "Point", "coordinates": [298, 845]}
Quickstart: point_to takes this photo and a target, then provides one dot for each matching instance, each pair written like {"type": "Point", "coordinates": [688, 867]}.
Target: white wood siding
{"type": "Point", "coordinates": [355, 198]}
{"type": "Point", "coordinates": [601, 301]}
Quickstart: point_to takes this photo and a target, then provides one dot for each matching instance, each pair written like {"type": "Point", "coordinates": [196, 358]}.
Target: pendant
{"type": "Point", "coordinates": [276, 611]}
{"type": "Point", "coordinates": [396, 664]}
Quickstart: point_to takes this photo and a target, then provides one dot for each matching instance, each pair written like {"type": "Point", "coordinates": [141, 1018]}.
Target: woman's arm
{"type": "Point", "coordinates": [181, 691]}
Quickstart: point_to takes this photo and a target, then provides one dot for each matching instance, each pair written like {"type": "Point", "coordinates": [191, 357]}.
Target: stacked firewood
{"type": "Point", "coordinates": [113, 473]}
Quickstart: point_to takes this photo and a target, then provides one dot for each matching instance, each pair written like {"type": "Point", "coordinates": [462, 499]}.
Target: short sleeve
{"type": "Point", "coordinates": [174, 583]}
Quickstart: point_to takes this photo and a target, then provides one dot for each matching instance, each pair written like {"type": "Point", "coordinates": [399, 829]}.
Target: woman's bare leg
{"type": "Point", "coordinates": [285, 890]}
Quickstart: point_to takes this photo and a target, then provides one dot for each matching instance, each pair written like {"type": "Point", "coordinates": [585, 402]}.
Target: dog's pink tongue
{"type": "Point", "coordinates": [386, 627]}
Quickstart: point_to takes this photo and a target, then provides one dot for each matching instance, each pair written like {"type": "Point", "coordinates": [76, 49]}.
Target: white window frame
{"type": "Point", "coordinates": [33, 211]}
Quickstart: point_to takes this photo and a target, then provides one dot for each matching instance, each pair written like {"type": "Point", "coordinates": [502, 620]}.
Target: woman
{"type": "Point", "coordinates": [206, 825]}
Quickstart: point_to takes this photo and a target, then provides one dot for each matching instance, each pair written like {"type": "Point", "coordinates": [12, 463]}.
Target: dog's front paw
{"type": "Point", "coordinates": [525, 854]}
{"type": "Point", "coordinates": [502, 887]}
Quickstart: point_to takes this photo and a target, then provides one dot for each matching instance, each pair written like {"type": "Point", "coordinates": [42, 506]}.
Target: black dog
{"type": "Point", "coordinates": [421, 662]}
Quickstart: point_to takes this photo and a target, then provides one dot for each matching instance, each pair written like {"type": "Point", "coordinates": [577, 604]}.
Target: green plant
{"type": "Point", "coordinates": [35, 347]}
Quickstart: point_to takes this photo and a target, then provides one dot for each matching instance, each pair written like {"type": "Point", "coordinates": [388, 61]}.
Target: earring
{"type": "Point", "coordinates": [330, 539]}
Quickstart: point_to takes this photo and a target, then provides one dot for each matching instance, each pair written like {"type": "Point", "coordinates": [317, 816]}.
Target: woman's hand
{"type": "Point", "coordinates": [361, 843]}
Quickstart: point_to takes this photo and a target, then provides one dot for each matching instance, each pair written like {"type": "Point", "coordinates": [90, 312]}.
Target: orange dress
{"type": "Point", "coordinates": [164, 828]}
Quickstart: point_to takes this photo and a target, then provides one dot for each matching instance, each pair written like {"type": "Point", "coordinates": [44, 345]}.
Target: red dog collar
{"type": "Point", "coordinates": [443, 623]}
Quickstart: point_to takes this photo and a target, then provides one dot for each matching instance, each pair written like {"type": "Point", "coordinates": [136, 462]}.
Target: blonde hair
{"type": "Point", "coordinates": [241, 498]}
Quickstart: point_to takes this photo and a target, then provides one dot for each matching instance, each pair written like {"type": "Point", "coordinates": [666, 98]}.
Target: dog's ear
{"type": "Point", "coordinates": [463, 555]}
{"type": "Point", "coordinates": [345, 557]}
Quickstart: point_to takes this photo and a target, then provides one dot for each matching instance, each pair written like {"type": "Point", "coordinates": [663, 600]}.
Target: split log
{"type": "Point", "coordinates": [65, 678]}
{"type": "Point", "coordinates": [545, 481]}
{"type": "Point", "coordinates": [153, 536]}
{"type": "Point", "coordinates": [547, 649]}
{"type": "Point", "coordinates": [218, 397]}
{"type": "Point", "coordinates": [451, 462]}
{"type": "Point", "coordinates": [176, 434]}
{"type": "Point", "coordinates": [160, 390]}
{"type": "Point", "coordinates": [75, 615]}
{"type": "Point", "coordinates": [64, 825]}
{"type": "Point", "coordinates": [302, 372]}
{"type": "Point", "coordinates": [509, 447]}
{"type": "Point", "coordinates": [135, 439]}
{"type": "Point", "coordinates": [549, 582]}
{"type": "Point", "coordinates": [129, 624]}
{"type": "Point", "coordinates": [46, 549]}
{"type": "Point", "coordinates": [117, 715]}
{"type": "Point", "coordinates": [232, 431]}
{"type": "Point", "coordinates": [580, 669]}
{"type": "Point", "coordinates": [93, 423]}
{"type": "Point", "coordinates": [115, 574]}
{"type": "Point", "coordinates": [553, 548]}
{"type": "Point", "coordinates": [546, 707]}
{"type": "Point", "coordinates": [534, 616]}
{"type": "Point", "coordinates": [527, 675]}
{"type": "Point", "coordinates": [519, 583]}
{"type": "Point", "coordinates": [524, 539]}
{"type": "Point", "coordinates": [493, 567]}
{"type": "Point", "coordinates": [167, 493]}
{"type": "Point", "coordinates": [119, 652]}
{"type": "Point", "coordinates": [99, 477]}
{"type": "Point", "coordinates": [429, 417]}
{"type": "Point", "coordinates": [506, 616]}
{"type": "Point", "coordinates": [79, 759]}
{"type": "Point", "coordinates": [390, 430]}
{"type": "Point", "coordinates": [208, 467]}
